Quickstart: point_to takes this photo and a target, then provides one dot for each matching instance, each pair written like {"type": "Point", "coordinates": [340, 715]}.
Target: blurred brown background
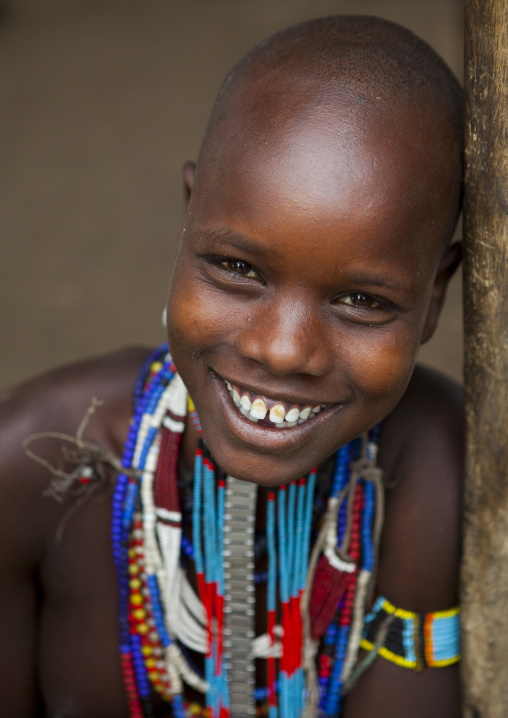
{"type": "Point", "coordinates": [101, 102]}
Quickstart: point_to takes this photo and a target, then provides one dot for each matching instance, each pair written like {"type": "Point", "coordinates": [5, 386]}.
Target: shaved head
{"type": "Point", "coordinates": [356, 53]}
{"type": "Point", "coordinates": [357, 74]}
{"type": "Point", "coordinates": [312, 249]}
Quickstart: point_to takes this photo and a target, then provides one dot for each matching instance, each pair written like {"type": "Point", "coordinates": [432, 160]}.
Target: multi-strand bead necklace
{"type": "Point", "coordinates": [315, 606]}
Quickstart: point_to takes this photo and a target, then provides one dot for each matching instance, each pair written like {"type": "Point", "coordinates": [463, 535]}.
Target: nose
{"type": "Point", "coordinates": [287, 338]}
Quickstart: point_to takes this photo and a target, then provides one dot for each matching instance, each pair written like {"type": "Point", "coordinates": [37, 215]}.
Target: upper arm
{"type": "Point", "coordinates": [21, 485]}
{"type": "Point", "coordinates": [18, 610]}
{"type": "Point", "coordinates": [389, 691]}
{"type": "Point", "coordinates": [55, 402]}
{"type": "Point", "coordinates": [420, 546]}
{"type": "Point", "coordinates": [421, 542]}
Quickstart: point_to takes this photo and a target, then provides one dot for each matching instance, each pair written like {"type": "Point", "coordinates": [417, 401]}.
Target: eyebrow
{"type": "Point", "coordinates": [234, 239]}
{"type": "Point", "coordinates": [383, 283]}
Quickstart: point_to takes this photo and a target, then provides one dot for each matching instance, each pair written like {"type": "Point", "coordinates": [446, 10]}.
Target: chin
{"type": "Point", "coordinates": [269, 458]}
{"type": "Point", "coordinates": [263, 471]}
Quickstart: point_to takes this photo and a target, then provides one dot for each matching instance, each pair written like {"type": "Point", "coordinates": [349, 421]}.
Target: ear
{"type": "Point", "coordinates": [447, 266]}
{"type": "Point", "coordinates": [188, 172]}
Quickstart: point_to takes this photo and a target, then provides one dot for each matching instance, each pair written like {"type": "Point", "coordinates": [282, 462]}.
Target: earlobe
{"type": "Point", "coordinates": [188, 172]}
{"type": "Point", "coordinates": [450, 260]}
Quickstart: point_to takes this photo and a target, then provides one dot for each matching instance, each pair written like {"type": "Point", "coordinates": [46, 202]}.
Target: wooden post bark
{"type": "Point", "coordinates": [485, 566]}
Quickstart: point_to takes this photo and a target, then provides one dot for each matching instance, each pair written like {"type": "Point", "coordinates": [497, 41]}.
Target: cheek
{"type": "Point", "coordinates": [195, 319]}
{"type": "Point", "coordinates": [382, 368]}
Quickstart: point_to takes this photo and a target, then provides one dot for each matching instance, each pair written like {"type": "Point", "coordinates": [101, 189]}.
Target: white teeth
{"type": "Point", "coordinates": [305, 413]}
{"type": "Point", "coordinates": [258, 409]}
{"type": "Point", "coordinates": [245, 402]}
{"type": "Point", "coordinates": [277, 414]}
{"type": "Point", "coordinates": [292, 414]}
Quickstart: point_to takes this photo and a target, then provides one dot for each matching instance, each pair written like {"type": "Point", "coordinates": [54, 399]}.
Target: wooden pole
{"type": "Point", "coordinates": [485, 566]}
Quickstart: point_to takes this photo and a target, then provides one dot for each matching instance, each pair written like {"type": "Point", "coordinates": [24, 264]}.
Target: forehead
{"type": "Point", "coordinates": [295, 167]}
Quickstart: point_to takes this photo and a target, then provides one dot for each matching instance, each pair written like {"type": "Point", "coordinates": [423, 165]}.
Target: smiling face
{"type": "Point", "coordinates": [306, 279]}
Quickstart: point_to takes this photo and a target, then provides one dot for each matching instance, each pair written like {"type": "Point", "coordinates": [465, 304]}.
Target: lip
{"type": "Point", "coordinates": [267, 438]}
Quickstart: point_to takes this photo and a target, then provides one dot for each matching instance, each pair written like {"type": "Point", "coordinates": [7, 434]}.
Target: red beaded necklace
{"type": "Point", "coordinates": [338, 577]}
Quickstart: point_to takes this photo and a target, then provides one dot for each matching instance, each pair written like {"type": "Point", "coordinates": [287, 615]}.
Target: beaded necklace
{"type": "Point", "coordinates": [315, 606]}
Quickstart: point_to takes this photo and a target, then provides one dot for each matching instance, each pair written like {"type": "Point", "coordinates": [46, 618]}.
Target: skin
{"type": "Point", "coordinates": [308, 273]}
{"type": "Point", "coordinates": [311, 267]}
{"type": "Point", "coordinates": [58, 604]}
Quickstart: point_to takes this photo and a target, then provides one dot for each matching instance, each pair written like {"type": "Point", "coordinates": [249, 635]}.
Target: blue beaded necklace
{"type": "Point", "coordinates": [147, 543]}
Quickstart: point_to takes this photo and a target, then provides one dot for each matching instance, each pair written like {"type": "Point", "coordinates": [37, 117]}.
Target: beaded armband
{"type": "Point", "coordinates": [412, 640]}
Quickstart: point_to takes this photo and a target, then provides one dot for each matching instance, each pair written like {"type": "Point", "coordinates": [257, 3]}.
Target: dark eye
{"type": "Point", "coordinates": [238, 267]}
{"type": "Point", "coordinates": [364, 301]}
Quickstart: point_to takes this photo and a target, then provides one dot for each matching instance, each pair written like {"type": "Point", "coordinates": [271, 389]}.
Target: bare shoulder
{"type": "Point", "coordinates": [421, 453]}
{"type": "Point", "coordinates": [41, 575]}
{"type": "Point", "coordinates": [57, 402]}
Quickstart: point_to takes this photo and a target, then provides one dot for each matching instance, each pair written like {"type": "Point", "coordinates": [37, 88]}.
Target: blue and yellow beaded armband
{"type": "Point", "coordinates": [412, 640]}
